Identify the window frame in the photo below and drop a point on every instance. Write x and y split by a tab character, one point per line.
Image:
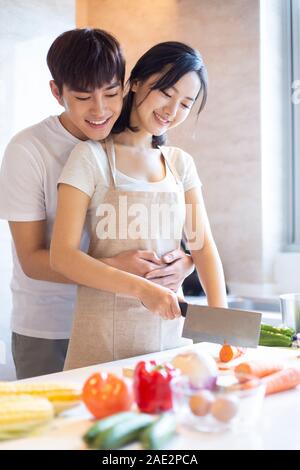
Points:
292	124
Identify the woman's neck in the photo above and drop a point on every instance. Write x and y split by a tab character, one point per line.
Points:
139	139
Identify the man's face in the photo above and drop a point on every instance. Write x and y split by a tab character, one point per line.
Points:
90	114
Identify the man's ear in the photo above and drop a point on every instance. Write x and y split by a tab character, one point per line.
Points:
55	92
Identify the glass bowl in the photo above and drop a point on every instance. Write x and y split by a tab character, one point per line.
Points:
234	403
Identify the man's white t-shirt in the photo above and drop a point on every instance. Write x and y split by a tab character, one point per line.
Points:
31	166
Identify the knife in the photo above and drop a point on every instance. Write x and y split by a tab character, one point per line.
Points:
216	325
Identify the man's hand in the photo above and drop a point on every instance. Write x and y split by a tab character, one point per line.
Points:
138	262
179	266
170	271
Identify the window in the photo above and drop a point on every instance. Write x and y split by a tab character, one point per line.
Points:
293	124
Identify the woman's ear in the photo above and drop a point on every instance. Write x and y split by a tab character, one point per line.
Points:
135	85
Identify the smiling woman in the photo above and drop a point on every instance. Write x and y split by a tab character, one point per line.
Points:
157	110
171	75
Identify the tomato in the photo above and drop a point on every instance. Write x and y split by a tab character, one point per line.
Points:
105	394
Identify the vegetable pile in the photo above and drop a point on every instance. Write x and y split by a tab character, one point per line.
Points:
110	400
153	393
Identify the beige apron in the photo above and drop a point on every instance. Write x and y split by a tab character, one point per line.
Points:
109	326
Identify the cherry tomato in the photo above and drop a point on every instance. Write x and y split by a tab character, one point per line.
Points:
105	394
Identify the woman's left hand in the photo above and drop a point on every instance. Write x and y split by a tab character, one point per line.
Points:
179	266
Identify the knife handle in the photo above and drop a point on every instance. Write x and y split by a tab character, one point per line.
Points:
183	307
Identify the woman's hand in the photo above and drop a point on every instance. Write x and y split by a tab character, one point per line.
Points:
160	301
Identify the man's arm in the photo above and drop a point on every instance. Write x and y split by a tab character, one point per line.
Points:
29	239
34	257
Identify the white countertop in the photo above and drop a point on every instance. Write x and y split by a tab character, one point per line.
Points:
277	429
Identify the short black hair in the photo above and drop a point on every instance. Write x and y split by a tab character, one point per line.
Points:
85	59
177	59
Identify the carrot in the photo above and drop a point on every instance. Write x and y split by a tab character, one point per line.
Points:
227	352
258	368
283	380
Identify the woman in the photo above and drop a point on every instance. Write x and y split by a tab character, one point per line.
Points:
136	194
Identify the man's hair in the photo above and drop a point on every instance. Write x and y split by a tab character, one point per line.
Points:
85	59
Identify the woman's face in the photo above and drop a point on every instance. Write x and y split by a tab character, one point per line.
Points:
156	111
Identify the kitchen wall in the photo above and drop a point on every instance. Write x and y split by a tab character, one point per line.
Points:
226	141
26	32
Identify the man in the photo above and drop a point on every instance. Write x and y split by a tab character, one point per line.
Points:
88	71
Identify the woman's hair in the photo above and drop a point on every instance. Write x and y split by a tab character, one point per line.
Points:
85	59
177	59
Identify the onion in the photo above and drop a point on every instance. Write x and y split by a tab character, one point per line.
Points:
200	367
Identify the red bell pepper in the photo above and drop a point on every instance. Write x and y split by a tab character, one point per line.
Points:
151	384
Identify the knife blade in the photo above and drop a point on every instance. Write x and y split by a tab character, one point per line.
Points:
216	325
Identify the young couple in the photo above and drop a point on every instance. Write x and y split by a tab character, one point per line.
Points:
124	201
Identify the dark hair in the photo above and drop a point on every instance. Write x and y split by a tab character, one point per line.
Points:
85	59
178	59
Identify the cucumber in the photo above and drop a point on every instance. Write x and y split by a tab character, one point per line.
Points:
276	329
122	433
103	424
159	432
268	338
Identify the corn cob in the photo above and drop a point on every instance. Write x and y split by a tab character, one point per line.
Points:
62	396
20	415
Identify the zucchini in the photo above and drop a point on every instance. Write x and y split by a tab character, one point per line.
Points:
122	433
103	424
159	432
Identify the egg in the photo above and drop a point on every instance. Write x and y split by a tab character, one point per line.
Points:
224	408
200	404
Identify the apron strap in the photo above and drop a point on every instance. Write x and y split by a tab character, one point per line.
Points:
110	151
111	156
170	165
